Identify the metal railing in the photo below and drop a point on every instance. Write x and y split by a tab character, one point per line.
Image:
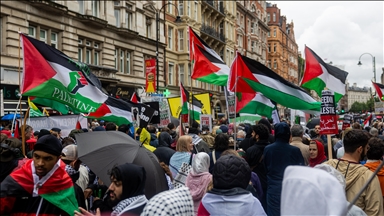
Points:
212	32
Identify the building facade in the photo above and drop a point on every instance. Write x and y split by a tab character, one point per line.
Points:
214	22
357	94
282	46
113	37
252	30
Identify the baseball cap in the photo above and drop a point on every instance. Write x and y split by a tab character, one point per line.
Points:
69	153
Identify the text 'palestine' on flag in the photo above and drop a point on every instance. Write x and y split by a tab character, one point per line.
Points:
208	66
64	80
196	104
319	75
256	77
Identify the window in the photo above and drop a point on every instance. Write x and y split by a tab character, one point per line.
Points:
253	46
269	65
89	52
95	8
81	6
181	73
128	19
189	8
54	40
170	37
269	47
274	47
252	27
123	60
274	17
170	73
253	9
269	34
195	9
170	11
274	32
268	17
45	35
181	7
180	36
117	17
275	64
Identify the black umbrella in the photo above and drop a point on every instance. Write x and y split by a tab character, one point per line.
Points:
313	122
103	150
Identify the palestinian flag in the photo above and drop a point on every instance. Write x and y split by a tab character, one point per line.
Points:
256	77
367	121
134	98
195	111
113	110
57	189
62	108
34	111
50	74
319	75
208	66
379	89
254	103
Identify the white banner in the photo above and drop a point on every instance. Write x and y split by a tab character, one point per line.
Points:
165	114
65	122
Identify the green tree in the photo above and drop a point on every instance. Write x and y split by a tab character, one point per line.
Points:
370	105
357	107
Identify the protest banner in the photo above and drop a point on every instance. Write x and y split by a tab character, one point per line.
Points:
146	114
165	114
206	120
347	121
156	116
65	122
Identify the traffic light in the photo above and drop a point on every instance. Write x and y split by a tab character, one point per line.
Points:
342	110
210	96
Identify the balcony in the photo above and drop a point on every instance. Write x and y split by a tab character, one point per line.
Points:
212	32
218	7
50	6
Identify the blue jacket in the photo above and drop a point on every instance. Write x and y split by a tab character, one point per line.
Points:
277	156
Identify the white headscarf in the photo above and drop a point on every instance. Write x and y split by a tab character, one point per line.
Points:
200	163
309	191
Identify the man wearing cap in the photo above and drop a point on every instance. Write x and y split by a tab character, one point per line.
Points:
277	156
77	172
58	131
41	186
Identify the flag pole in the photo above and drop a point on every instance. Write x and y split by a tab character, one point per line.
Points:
23	131
14	116
20	106
234	124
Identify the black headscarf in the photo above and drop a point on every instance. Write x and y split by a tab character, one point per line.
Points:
282	132
265	122
133	178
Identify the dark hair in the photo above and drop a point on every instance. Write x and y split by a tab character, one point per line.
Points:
193	130
123	128
376	148
265	122
171	126
195	124
151	129
110	126
221	142
67	141
116	174
261	130
356	126
354	139
305	140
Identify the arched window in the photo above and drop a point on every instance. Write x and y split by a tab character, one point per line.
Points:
253	9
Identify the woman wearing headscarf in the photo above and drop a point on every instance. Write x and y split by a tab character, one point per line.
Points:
184	148
199	179
316	153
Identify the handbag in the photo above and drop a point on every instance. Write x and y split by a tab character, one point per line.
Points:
182	173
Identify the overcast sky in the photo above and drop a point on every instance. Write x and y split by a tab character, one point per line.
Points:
340	32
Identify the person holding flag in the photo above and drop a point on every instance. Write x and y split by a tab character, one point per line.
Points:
41	186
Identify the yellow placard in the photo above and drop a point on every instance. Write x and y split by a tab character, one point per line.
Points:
175	104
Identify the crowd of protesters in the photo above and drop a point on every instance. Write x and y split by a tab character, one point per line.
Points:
261	169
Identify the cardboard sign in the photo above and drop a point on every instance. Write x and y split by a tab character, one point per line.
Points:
328	118
150	75
231	107
347	121
165	114
206	120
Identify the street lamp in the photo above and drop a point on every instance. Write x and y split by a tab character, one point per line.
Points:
373	62
157	39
